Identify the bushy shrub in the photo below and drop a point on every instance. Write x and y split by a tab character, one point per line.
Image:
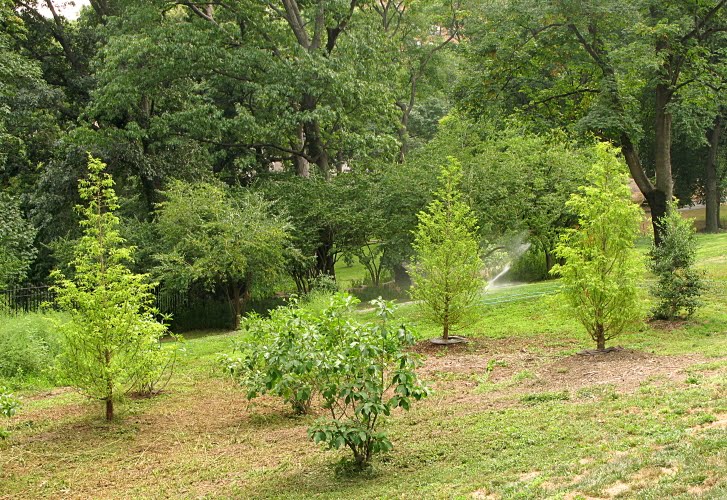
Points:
371	376
529	267
286	354
8	406
324	283
28	345
678	285
359	371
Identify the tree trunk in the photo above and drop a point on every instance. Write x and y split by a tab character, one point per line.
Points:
109	387
109	409
235	305
600	338
325	260
316	149
445	325
404	133
711	181
658	206
549	261
655	197
302	167
664	186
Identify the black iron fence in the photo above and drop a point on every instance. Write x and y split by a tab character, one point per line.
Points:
15	301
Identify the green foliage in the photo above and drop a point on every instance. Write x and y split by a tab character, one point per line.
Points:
359	370
28	345
678	285
329	219
324	283
602	268
370	376
447	265
17	252
222	239
516	181
545	397
110	344
8	407
289	354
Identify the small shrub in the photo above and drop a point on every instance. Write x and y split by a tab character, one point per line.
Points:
324	283
678	285
372	376
529	267
287	354
8	406
359	371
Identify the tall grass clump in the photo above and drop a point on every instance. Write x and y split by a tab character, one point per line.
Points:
29	345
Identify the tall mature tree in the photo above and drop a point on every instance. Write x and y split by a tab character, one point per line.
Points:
421	32
266	82
217	238
601	65
16	243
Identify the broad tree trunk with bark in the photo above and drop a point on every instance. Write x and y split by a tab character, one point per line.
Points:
711	179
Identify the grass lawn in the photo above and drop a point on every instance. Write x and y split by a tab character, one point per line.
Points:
516	413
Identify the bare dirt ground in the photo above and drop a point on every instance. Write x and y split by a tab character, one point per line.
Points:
543	369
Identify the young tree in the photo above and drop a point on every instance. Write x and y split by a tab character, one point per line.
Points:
602	267
218	238
112	339
446	266
678	285
371	376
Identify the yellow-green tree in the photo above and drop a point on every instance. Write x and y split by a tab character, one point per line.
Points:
111	342
446	268
601	266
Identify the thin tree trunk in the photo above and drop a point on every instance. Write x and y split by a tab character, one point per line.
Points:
325	260
445	329
711	181
549	261
235	305
109	388
401	277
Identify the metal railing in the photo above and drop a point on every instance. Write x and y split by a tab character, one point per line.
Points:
21	300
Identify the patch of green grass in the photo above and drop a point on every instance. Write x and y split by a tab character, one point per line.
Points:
545	397
347	276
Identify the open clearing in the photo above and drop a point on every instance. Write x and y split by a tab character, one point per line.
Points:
516	413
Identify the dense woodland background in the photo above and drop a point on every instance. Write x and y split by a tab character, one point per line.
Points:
308	132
